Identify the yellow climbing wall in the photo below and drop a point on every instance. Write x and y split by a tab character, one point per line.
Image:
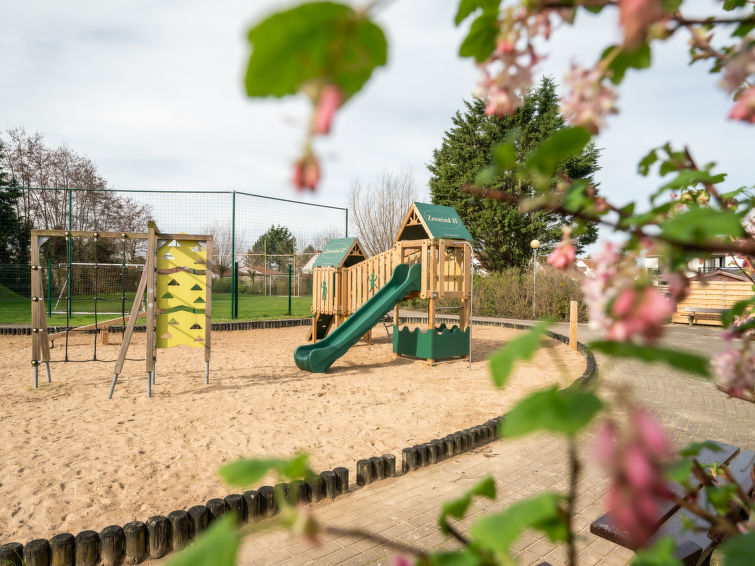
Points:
181	293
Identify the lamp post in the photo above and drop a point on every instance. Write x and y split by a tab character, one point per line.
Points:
534	244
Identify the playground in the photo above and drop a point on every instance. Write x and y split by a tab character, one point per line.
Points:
137	455
74	460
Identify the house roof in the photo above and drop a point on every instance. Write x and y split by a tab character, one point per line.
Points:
425	221
341	252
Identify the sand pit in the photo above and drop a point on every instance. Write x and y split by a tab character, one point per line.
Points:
73	460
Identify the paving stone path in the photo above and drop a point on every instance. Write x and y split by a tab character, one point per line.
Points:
406	509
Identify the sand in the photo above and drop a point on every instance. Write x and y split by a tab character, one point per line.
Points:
73	460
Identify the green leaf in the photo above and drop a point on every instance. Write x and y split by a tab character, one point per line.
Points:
660	554
700	224
505	156
458	507
576	195
730	5
520	348
743	29
640	58
740	551
694	448
498	531
217	546
458	558
737	309
643	167
322	42
248	471
671	6
691	177
467	7
651	216
562	145
679	360
680	472
481	39
719	496
565	412
487	176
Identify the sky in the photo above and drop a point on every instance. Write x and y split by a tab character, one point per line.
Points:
152	92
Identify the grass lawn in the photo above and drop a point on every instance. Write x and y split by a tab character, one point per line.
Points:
15	309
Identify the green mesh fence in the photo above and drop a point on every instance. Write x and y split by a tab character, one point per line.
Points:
262	247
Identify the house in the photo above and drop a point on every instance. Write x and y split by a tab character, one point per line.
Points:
722	262
585	265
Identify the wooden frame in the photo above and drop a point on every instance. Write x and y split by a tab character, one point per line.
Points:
41	339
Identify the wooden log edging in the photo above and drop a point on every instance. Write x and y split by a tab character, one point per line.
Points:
216	327
159	535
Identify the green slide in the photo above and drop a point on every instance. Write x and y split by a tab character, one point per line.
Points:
318	357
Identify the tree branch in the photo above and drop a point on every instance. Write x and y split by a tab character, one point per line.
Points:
746	247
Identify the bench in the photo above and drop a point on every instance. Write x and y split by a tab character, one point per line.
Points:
690	544
694	311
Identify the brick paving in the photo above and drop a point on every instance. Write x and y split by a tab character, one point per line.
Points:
406	509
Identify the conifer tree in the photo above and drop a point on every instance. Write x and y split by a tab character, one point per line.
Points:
502	233
14	231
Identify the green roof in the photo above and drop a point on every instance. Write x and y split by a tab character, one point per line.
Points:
437	222
340	251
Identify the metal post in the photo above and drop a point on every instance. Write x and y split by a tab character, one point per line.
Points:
347	223
235	289
233	255
69	250
289	289
49	286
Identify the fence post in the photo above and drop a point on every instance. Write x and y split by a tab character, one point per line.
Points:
49	286
234	291
573	325
289	289
69	242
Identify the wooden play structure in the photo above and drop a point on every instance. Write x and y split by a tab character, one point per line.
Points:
178	287
434	245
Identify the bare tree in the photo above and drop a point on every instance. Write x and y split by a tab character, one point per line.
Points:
378	209
319	240
35	166
224	247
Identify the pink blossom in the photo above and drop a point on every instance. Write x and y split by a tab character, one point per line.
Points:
678	286
306	173
739	66
639	313
650	434
605	443
329	101
562	255
508	73
734	371
744	109
401	560
623	304
636	16
588	99
640	453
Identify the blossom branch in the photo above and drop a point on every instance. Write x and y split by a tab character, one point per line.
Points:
746	247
